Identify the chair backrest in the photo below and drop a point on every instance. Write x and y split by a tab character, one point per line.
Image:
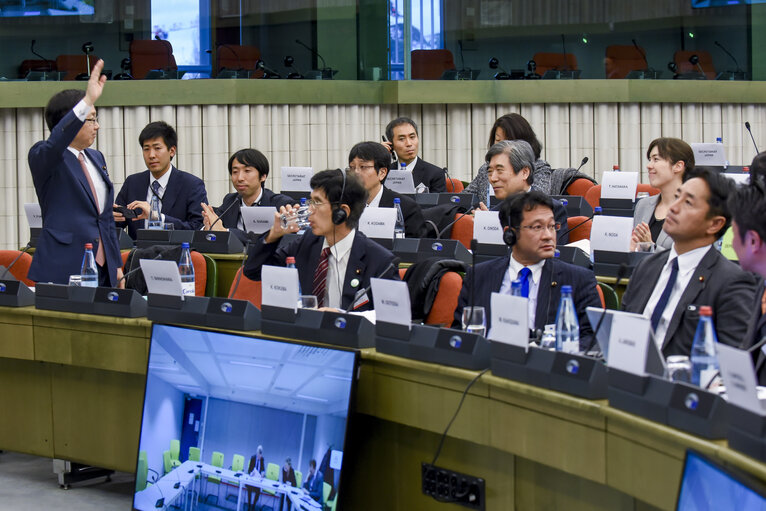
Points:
430	64
402	271
167	464
443	310
681	58
298	479
236	56
326	489
142	470
593	196
462	230
237	463
149	54
73	65
200	273
211	268
454	185
175	449
621	59
546	61
272	471
579	186
194	454
247	289
21	268
611	300
601	296
642	187
582	232
217	459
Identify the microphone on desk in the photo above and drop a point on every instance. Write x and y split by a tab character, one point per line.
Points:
747	127
241	266
237	200
621	272
23	251
442	231
47	61
325	70
596	211
727	52
472	284
393	265
582	163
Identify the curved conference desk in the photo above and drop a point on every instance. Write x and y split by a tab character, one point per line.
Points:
73	389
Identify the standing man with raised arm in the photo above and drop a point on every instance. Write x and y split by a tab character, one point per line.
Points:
74	190
402	134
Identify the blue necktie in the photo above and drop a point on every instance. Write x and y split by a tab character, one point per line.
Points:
660	307
524	275
156	188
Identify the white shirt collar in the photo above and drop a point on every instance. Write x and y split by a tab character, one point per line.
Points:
163	181
375	202
515	267
688	261
255	202
412	164
341	248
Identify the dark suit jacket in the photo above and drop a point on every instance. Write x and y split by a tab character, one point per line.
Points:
489	278
231	207
716	282
289	477
314	486
70	215
367	260
414	224
261	465
756	331
180	202
428	174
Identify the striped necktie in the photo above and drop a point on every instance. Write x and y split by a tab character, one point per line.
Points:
320	277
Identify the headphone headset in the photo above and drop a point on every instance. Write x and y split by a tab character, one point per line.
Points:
509	235
339	215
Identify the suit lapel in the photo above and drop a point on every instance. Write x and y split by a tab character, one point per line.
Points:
79	174
417	173
355	270
171	191
648	281
387	198
544	291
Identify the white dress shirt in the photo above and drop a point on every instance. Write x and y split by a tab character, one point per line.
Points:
163	181
256	202
687	264
336	269
514	267
375	202
81	110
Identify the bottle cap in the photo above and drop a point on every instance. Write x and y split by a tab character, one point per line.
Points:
597	210
303	201
89	246
566	288
290	260
615	167
564	202
746	170
185	244
556	253
397	200
706	310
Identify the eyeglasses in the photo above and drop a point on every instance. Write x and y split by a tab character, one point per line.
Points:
538	229
359	169
312	203
94	120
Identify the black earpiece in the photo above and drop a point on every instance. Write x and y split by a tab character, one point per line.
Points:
339	215
509	235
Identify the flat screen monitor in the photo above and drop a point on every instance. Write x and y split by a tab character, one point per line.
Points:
26	8
706	485
214	401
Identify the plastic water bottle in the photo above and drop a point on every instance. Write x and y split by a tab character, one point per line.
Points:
186	270
516	287
290	263
88	271
567	326
300	216
399	225
704	355
402	165
155	215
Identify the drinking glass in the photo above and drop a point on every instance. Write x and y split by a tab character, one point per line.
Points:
75	280
474	320
308	302
679	368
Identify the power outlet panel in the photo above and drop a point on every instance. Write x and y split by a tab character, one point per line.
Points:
449	486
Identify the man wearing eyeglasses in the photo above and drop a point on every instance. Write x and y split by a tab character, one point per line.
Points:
530	230
74	190
335	261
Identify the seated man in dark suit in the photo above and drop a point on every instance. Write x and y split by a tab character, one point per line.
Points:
369	161
248	170
670	286
334	260
748	224
313	484
530	229
402	135
510	170
256	468
181	194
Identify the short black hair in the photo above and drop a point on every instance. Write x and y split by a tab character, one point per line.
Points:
673	150
398	122
758	169
748	208
371	151
516	127
512	209
60	104
720	188
159	129
354	194
251	158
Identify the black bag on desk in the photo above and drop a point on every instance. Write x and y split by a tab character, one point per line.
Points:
135	280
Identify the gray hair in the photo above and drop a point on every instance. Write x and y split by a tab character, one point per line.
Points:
260	450
519	153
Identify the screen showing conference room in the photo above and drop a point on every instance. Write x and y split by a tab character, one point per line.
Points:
228	394
707	486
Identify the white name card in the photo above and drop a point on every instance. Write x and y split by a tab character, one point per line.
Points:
297	179
611	233
279	287
709	154
378	222
257	219
739	378
400	181
629	342
392	301
34	215
162	277
741	178
619	185
486	227
509	320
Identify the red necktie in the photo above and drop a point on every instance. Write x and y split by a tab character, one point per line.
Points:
100	259
320	277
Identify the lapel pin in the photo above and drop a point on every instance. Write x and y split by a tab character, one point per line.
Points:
702	278
354	282
358	271
554	283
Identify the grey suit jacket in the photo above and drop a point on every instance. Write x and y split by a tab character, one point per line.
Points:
716	282
643	213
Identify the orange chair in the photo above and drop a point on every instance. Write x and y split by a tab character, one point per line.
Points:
681	58
20	268
149	54
593	195
402	271
642	187
247	289
73	65
443	310
546	61
579	187
582	232
236	56
200	273
431	64
622	59
462	229
454	185
601	296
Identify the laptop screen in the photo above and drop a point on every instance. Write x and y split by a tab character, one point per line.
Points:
705	485
238	422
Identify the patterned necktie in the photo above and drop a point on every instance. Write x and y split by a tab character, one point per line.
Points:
100	258
660	307
524	276
156	188
320	277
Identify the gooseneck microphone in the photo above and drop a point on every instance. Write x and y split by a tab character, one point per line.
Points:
47	62
440	233
564	49
23	251
747	127
313	51
472	289
621	271
393	265
643	54
596	211
582	163
237	200
727	52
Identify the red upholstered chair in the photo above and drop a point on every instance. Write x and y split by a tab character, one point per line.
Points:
21	268
402	271
582	232
601	296
681	58
593	196
443	310
647	188
454	185
622	59
579	187
73	65
430	64
247	289
200	273
546	61
462	230
149	54
236	56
